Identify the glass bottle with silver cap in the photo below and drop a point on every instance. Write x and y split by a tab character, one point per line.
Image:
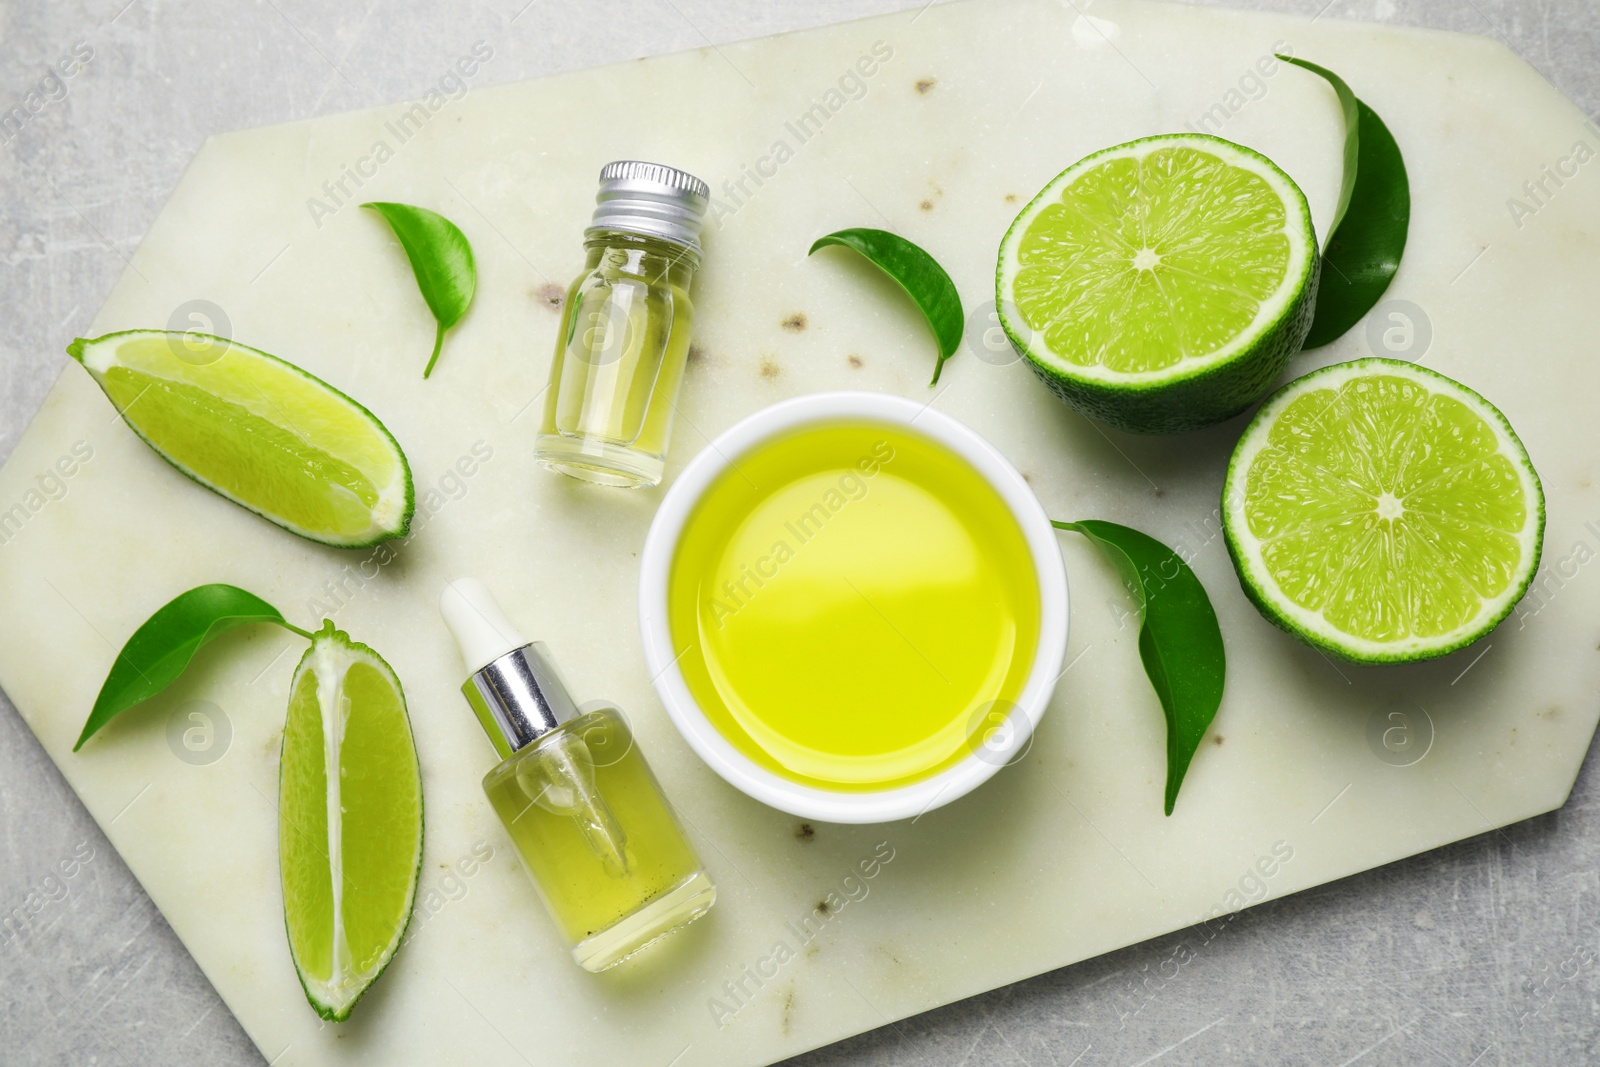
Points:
581	805
624	338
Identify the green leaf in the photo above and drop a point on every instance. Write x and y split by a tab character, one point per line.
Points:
1368	234
441	258
1179	640
159	650
919	274
1352	137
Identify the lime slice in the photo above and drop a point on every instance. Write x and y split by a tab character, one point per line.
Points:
259	431
1161	285
349	820
1382	512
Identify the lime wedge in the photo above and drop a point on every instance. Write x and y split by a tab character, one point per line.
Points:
1161	285
259	431
349	820
1382	512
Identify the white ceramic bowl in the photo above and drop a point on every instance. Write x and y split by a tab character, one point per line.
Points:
1001	745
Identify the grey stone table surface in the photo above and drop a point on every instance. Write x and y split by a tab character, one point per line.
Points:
1486	952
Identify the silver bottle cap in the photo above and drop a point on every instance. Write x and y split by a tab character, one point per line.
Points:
652	200
512	686
519	698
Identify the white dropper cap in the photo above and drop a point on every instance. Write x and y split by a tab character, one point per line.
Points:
512	685
482	631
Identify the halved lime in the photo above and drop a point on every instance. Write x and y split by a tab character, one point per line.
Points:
349	820
1382	512
259	431
1161	285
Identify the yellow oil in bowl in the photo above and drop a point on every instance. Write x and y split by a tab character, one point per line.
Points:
851	603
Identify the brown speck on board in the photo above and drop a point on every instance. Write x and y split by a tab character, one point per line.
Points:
1011	198
926	205
795	323
925	84
823	908
805	831
788	1010
854	361
1160	492
769	367
696	354
1217	740
551	295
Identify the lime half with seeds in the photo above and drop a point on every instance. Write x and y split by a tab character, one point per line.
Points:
1382	512
259	431
1163	284
349	820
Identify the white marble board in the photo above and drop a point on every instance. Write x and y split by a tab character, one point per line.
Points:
970	107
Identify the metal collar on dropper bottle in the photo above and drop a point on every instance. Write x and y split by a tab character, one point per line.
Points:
512	683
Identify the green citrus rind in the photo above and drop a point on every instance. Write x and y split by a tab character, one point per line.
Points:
390	514
1311	627
334	1001
1198	391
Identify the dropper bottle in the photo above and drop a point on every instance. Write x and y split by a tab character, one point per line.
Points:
575	794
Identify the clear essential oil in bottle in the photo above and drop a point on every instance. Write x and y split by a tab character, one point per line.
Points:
624	338
575	794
